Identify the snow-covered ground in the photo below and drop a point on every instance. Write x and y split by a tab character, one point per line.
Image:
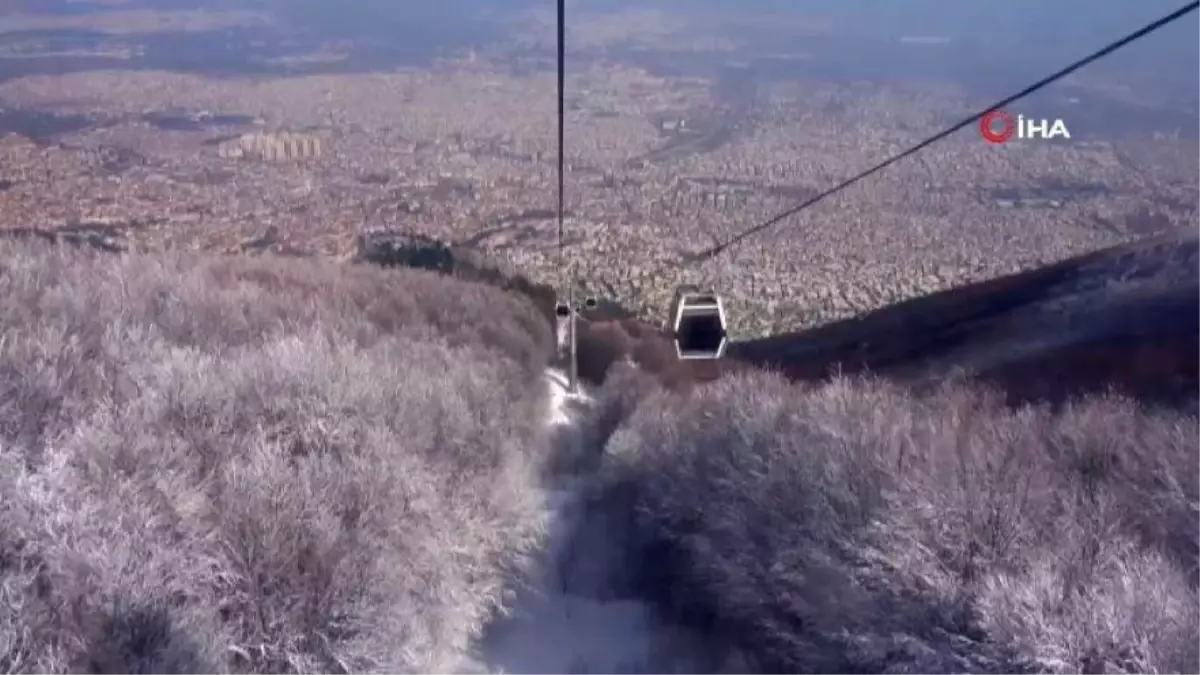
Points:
560	624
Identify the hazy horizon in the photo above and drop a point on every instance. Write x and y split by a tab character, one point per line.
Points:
1035	29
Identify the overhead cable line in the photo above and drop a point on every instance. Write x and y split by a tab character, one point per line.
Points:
717	249
562	41
566	271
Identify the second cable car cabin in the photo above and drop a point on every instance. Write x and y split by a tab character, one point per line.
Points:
697	324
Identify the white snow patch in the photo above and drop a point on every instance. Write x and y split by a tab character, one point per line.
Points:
553	629
562	403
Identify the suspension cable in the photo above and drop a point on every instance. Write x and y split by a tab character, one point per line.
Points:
566	274
717	249
562	41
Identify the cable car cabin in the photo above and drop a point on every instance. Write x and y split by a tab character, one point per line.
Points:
562	317
697	324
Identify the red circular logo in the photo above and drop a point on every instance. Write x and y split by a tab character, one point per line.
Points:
997	126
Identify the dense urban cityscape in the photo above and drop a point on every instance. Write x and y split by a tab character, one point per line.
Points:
657	166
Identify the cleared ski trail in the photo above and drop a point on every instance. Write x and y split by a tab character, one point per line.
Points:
565	622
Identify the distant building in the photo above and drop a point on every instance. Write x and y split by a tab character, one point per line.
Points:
278	147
